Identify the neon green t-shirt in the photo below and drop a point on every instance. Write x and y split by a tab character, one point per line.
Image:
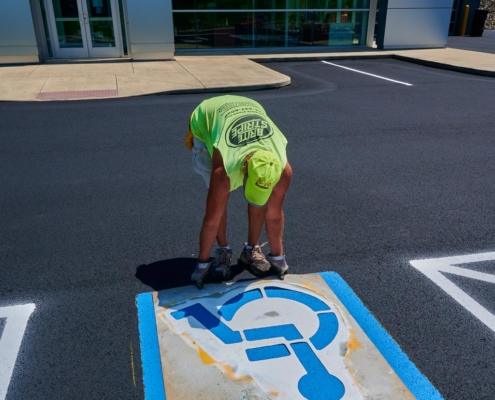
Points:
236	126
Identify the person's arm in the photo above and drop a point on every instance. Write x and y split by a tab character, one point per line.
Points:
218	195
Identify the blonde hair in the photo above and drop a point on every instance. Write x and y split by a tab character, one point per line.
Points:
246	162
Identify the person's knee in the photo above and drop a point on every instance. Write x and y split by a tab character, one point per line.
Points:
274	215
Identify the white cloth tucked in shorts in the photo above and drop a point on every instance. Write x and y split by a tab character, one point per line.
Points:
201	160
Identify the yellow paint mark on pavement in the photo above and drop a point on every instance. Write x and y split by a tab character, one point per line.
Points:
132	365
205	357
353	343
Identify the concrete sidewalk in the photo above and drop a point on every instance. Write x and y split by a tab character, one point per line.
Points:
122	79
198	73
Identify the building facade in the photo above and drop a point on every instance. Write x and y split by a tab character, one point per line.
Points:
33	31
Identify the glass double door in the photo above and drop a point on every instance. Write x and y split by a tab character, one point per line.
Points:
84	28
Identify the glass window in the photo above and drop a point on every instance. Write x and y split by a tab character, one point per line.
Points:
224	4
282	29
347	28
185	30
224	30
283	4
213	30
68	25
101	23
267	4
339	4
269	29
183	4
322	21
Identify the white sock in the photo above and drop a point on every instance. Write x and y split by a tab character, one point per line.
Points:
222	247
248	247
275	258
202	265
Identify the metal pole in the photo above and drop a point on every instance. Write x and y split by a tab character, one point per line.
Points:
464	20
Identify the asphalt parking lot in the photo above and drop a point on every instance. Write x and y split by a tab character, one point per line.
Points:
99	203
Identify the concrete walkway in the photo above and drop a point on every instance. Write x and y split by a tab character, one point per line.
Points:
197	73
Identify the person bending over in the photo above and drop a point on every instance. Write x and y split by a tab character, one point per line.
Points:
234	143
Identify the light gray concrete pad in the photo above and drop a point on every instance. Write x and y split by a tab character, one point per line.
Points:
90	69
18	71
142	85
454	59
81	82
20	89
232	72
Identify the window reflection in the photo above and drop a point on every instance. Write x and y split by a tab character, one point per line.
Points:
101	23
281	29
267	4
318	23
213	30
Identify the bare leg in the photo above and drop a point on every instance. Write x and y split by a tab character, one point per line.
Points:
256	220
274	216
274	230
222	230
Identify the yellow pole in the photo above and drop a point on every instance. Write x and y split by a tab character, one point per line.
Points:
464	20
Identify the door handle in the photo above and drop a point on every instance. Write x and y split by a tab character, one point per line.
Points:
79	16
86	18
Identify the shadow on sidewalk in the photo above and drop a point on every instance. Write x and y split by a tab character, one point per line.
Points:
175	272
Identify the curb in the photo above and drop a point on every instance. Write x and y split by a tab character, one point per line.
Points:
221	89
319	58
436	64
215	89
427	63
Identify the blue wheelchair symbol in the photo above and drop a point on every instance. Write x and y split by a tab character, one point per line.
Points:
318	383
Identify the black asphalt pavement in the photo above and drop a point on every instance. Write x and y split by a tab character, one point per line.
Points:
484	43
99	203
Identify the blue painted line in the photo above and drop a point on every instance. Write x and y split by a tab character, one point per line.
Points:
306	299
415	381
267	353
317	377
210	322
228	310
329	326
154	388
289	332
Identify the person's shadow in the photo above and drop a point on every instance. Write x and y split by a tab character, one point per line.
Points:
175	272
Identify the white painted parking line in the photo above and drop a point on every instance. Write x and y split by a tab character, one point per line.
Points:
16	319
434	267
367	73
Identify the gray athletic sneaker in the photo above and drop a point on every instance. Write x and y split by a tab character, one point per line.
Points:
221	265
278	264
256	260
199	274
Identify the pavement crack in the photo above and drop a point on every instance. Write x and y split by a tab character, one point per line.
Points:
185	69
44	83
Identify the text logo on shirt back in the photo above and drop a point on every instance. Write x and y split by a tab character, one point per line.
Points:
248	130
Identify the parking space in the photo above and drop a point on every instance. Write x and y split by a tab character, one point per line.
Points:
99	204
308	337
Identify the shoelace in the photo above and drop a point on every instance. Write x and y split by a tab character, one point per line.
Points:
222	255
257	253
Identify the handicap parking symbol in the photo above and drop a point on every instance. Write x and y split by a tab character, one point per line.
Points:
288	339
308	337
